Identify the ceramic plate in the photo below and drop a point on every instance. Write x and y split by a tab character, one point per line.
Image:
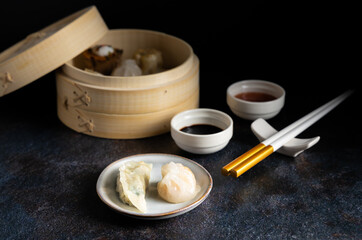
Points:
157	208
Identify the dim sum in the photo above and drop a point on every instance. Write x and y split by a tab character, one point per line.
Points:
128	67
132	182
178	183
150	60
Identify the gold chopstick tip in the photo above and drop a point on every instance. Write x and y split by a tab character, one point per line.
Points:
227	168
251	161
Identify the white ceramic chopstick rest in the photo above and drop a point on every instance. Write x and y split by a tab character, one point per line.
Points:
263	130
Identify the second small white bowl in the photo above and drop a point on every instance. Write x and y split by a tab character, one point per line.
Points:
253	110
202	143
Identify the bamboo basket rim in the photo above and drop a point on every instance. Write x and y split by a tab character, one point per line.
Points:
74	71
118	89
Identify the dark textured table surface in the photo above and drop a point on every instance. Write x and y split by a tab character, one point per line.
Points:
48	172
48	175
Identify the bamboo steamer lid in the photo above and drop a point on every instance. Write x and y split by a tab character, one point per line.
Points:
49	48
111	100
128	126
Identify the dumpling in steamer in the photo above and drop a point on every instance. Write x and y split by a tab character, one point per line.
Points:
178	183
132	182
149	59
101	59
129	67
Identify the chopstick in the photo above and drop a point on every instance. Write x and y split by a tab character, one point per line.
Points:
252	157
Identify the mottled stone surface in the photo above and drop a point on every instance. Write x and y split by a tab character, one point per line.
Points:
48	176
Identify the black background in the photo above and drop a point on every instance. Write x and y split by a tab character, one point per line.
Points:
305	46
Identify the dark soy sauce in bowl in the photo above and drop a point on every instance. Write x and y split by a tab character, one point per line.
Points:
255	96
201	129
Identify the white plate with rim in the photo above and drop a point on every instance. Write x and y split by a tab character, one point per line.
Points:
157	208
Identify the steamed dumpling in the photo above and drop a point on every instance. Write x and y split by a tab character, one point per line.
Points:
129	67
149	59
178	183
132	182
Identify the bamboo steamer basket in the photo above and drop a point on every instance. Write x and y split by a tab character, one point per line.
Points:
130	107
105	106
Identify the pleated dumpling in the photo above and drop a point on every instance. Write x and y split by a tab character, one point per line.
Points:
129	67
178	183
132	182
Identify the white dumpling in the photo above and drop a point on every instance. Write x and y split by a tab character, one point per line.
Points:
129	67
132	182
178	183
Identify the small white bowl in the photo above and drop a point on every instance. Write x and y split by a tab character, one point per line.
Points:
253	110
202	143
